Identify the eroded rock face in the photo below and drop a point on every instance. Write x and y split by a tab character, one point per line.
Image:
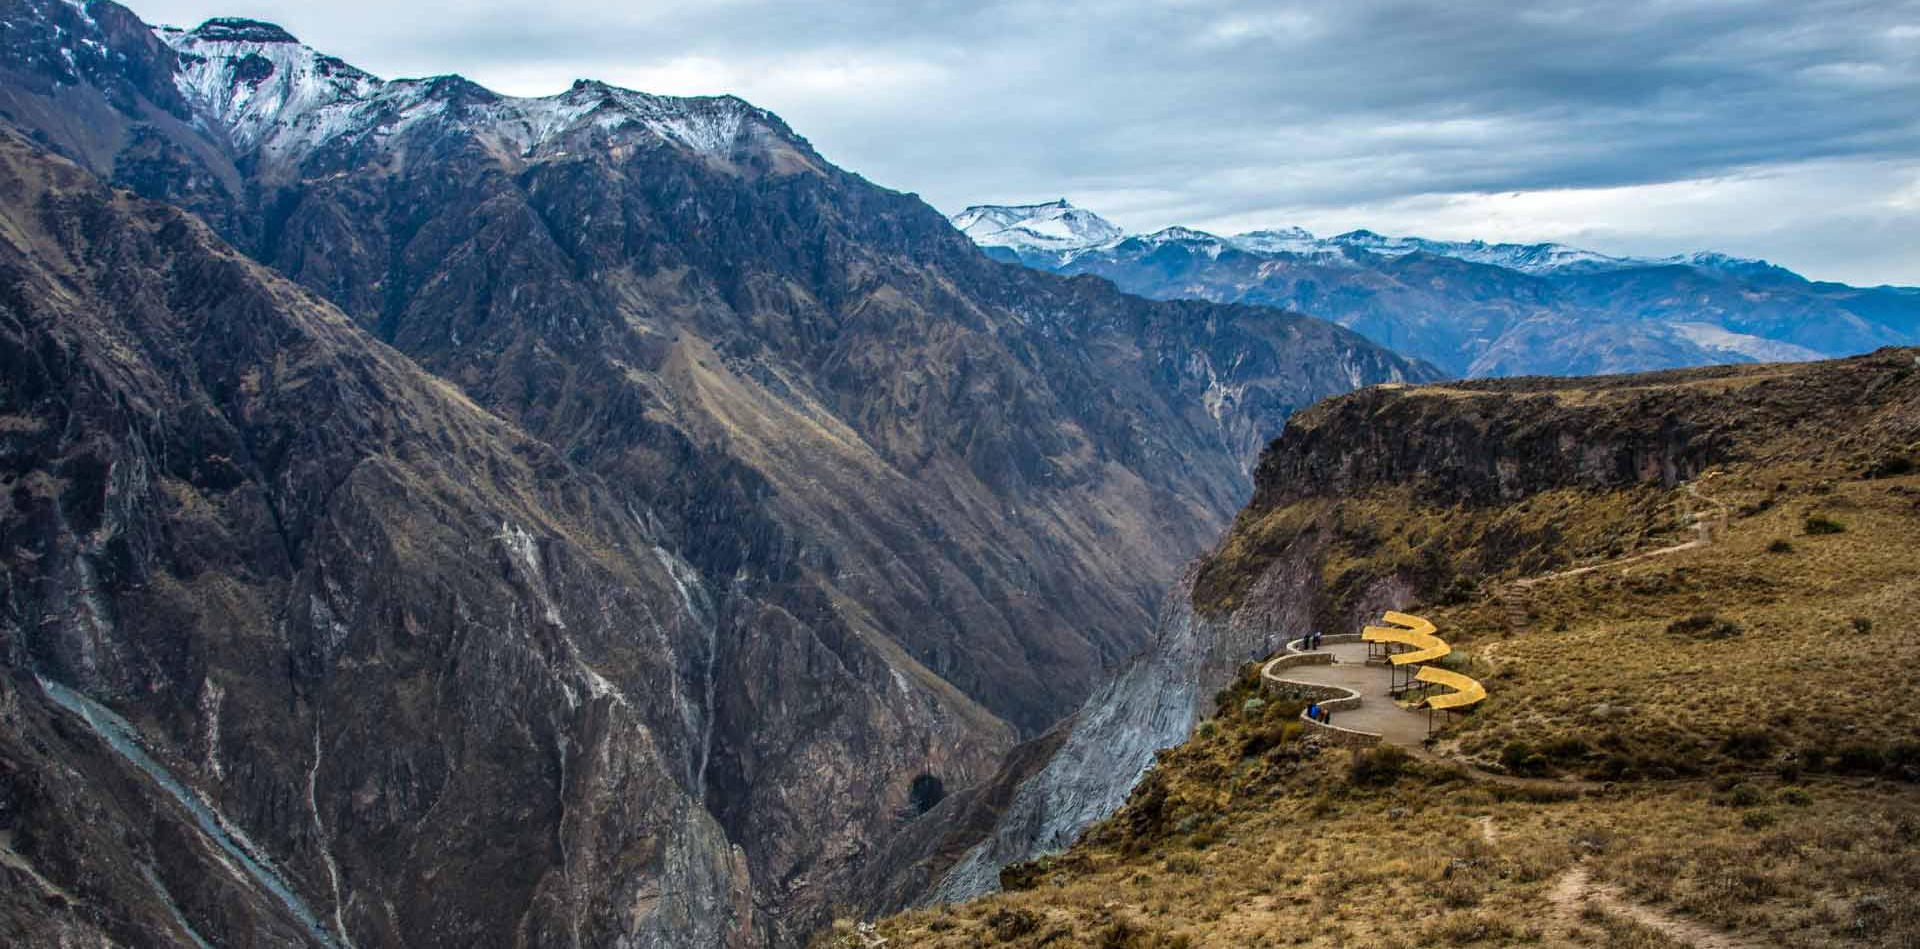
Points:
894	504
341	605
442	681
1153	703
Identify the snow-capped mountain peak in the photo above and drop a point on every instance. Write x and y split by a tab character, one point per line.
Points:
280	100
1185	235
233	29
1536	259
1295	240
1052	226
1056	232
256	81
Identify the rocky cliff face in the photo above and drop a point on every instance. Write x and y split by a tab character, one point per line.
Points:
341	610
1466	475
894	504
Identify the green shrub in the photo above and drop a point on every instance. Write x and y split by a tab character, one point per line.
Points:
1817	524
1780	546
1744	795
1704	626
1795	797
1566	748
1892	466
1903	760
1749	744
1859	758
1019	876
1378	766
1862	625
1009	924
1519	757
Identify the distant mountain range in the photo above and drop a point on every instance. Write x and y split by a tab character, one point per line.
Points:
1470	307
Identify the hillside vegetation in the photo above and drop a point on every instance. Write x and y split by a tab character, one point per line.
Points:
1690	598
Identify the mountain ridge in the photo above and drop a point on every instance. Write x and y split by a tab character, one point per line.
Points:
920	499
1477	309
1536	258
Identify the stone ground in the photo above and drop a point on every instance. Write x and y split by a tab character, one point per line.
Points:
1377	712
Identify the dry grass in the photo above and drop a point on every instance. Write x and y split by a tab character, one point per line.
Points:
1282	848
1773	678
1795	655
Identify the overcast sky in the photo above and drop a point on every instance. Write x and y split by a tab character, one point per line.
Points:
1784	130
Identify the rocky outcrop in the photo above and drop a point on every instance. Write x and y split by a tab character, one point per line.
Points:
1489	442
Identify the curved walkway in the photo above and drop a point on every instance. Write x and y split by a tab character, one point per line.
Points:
1377	713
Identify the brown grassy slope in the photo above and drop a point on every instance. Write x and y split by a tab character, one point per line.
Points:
1767	672
1771	645
1235	842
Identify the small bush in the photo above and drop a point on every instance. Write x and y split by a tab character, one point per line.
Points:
1744	795
1817	525
1749	744
1009	924
1461	927
1704	626
1378	766
1903	760
1183	864
1019	876
1862	625
1758	820
1780	546
1519	757
1121	934
1566	748
1892	466
1859	758
1795	797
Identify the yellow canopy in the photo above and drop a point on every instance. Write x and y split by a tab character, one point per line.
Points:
1466	690
1418	633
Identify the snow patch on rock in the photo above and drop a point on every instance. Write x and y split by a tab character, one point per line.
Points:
272	96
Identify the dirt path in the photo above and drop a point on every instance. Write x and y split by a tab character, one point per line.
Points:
1577	890
1703	527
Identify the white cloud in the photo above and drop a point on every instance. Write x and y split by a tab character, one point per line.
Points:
1660	125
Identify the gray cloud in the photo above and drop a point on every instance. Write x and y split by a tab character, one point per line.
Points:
1213	111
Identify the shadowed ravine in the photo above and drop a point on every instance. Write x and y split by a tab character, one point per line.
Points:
123	738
